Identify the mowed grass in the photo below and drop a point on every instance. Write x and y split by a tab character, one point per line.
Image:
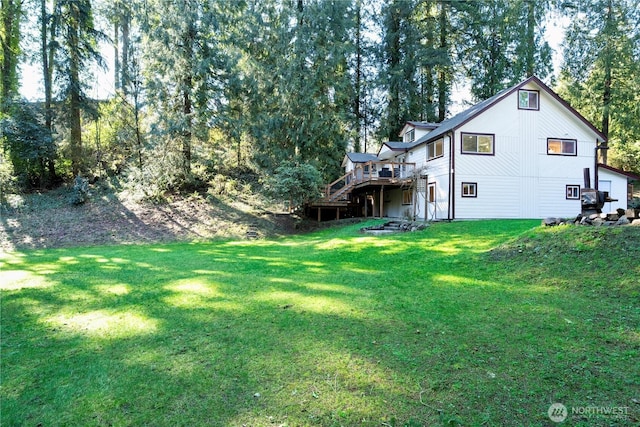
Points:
465	323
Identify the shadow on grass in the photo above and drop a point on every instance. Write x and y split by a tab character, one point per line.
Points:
50	221
328	329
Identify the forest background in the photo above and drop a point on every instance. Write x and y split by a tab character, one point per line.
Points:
279	89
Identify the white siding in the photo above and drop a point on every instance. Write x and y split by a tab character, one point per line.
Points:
616	184
437	171
521	180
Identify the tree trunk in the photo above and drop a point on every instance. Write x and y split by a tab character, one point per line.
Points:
116	54
47	28
531	41
10	39
608	60
358	83
187	106
125	23
442	75
75	142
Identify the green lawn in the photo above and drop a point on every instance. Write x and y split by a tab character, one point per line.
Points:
334	328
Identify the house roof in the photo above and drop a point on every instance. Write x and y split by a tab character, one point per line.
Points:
418	125
423	125
397	145
362	157
630	176
460	119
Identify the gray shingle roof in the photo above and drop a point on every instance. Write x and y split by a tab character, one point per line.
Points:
459	119
423	125
362	157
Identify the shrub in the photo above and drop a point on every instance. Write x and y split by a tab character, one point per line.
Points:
297	183
80	191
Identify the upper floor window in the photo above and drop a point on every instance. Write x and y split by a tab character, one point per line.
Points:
476	143
409	135
528	99
562	147
435	149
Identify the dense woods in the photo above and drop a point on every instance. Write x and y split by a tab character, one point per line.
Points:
209	88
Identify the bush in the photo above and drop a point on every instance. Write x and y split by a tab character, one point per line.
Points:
80	191
296	183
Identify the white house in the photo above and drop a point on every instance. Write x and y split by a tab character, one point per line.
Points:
519	154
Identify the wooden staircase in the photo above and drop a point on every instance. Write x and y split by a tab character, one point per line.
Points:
339	190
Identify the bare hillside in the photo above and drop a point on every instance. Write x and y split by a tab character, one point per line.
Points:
47	220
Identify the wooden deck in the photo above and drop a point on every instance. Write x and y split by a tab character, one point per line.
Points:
355	190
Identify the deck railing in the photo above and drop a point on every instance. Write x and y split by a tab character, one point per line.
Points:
378	172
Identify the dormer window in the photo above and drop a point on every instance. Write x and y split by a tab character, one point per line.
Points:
528	99
410	135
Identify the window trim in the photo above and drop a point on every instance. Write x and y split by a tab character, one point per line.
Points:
435	151
529	91
478	153
431	192
572	187
562	140
408	192
411	132
469	185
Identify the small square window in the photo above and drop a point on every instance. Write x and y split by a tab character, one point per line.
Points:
573	192
409	136
469	189
528	99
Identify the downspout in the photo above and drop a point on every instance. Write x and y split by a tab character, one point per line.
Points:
603	147
451	213
595	169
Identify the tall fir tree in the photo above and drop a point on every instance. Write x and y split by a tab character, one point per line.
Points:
501	42
10	17
599	75
78	39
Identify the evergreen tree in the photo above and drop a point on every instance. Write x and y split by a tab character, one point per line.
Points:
180	62
74	25
501	42
599	75
10	16
29	146
301	89
399	55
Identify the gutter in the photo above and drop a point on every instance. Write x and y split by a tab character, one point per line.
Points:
451	211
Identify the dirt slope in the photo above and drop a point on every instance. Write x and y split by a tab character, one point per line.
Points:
49	220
